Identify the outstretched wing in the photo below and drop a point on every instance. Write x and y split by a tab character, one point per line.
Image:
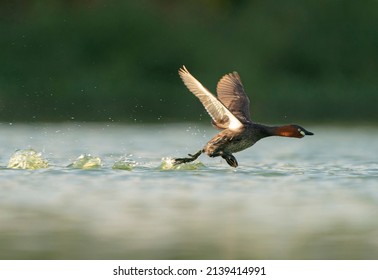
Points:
222	117
231	93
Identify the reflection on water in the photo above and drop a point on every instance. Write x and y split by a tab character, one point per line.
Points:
314	198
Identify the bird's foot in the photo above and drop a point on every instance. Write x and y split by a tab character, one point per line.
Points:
191	158
230	159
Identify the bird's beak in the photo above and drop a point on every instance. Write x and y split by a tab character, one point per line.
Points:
308	132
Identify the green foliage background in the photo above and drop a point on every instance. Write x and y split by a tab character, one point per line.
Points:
97	60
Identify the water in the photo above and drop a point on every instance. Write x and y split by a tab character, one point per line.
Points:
313	198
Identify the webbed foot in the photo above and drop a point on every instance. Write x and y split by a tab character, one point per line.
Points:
230	159
191	158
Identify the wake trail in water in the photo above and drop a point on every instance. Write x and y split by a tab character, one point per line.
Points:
33	160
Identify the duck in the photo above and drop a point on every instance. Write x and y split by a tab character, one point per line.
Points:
230	113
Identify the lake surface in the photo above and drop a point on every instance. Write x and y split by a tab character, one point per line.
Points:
310	198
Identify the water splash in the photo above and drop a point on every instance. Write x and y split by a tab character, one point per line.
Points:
27	159
124	163
86	161
168	164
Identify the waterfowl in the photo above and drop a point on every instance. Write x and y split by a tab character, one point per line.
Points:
230	113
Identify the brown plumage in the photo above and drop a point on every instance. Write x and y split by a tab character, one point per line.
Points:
230	112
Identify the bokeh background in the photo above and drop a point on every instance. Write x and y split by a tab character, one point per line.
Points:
101	60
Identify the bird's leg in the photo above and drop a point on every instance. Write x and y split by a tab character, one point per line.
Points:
231	160
189	159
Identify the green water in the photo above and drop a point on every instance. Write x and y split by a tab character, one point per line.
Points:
311	198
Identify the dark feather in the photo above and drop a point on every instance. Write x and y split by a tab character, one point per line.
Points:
231	93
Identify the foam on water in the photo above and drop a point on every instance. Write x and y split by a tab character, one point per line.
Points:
86	161
27	159
31	159
124	163
168	164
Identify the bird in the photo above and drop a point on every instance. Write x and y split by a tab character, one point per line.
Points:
230	113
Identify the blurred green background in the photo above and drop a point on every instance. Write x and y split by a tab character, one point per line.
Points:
100	60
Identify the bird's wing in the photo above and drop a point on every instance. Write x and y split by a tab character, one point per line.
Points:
231	93
222	117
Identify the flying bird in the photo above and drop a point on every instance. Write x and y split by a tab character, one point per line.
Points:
230	113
